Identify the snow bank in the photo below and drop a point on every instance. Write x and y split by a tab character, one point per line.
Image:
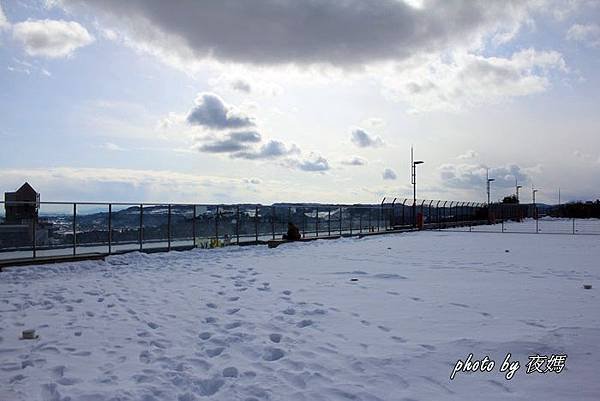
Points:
290	323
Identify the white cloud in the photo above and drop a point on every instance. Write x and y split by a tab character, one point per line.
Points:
230	143
588	34
246	83
429	56
51	38
473	176
363	139
124	185
375	122
314	163
112	147
26	67
253	181
4	24
241	85
354	161
270	150
469	154
462	80
564	9
389	174
212	113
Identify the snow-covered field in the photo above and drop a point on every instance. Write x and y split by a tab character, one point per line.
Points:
288	323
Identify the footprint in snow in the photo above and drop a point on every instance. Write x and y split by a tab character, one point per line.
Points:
230	372
234	325
213	352
272	354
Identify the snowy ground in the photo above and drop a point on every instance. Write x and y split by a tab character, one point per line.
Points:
289	324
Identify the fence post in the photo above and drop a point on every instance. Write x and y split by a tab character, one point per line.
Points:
256	223
381	213
429	211
169	228
574	226
340	220
109	228
217	225
403	211
317	223
360	226
74	228
351	219
456	214
303	220
237	224
141	226
34	235
329	222
273	221
194	226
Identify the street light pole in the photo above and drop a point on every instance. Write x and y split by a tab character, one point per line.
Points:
517	187
533	191
414	164
488	181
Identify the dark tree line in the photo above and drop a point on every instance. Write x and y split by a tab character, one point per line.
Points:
578	210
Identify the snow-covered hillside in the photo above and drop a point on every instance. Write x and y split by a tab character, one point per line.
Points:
380	318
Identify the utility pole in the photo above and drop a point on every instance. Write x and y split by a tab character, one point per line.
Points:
488	181
413	164
517	187
533	191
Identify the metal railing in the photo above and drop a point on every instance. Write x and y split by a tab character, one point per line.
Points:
82	228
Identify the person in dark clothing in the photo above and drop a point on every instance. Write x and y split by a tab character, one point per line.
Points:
293	234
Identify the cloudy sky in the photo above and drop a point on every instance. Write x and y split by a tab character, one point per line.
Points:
299	100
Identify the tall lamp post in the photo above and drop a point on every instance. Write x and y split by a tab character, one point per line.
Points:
533	191
414	164
535	212
488	182
517	187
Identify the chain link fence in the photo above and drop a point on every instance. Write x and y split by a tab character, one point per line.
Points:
58	229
